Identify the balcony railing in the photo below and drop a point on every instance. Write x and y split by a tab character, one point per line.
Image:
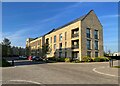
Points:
75	35
75	46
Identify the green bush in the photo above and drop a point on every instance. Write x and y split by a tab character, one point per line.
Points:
61	59
52	59
104	59
77	61
92	59
97	59
100	59
67	59
86	59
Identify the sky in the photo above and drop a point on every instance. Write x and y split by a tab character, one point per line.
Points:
22	20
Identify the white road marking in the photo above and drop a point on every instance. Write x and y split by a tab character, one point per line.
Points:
94	69
8	67
25	81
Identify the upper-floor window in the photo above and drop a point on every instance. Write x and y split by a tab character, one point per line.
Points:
88	44
65	35
96	45
51	39
47	41
54	38
54	46
88	32
96	34
60	37
65	44
60	46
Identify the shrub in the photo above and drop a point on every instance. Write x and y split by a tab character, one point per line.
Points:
107	59
52	59
92	59
77	61
62	59
97	59
86	59
104	59
67	59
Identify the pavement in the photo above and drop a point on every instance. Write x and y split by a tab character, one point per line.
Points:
60	73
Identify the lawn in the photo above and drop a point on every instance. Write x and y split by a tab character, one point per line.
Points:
116	66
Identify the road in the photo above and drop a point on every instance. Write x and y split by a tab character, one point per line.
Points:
59	73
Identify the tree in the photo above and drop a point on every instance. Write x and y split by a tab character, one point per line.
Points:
45	49
6	47
6	42
27	50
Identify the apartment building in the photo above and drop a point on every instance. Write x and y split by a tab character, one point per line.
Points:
76	39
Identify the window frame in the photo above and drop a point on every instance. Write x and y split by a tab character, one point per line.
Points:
96	34
88	35
89	44
60	37
96	45
89	54
54	38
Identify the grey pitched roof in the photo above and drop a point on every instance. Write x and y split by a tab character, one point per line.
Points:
78	19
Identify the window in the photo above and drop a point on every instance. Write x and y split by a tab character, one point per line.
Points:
88	44
96	45
51	39
88	32
60	46
47	41
39	43
54	46
96	34
96	54
60	54
65	54
60	37
88	53
54	38
65	35
65	44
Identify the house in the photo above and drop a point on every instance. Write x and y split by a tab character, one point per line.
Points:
76	39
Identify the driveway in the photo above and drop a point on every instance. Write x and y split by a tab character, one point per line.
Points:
60	73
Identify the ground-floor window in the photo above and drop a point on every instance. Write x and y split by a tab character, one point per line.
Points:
89	53
75	55
96	54
65	54
60	54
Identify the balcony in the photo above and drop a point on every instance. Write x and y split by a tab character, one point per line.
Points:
75	35
75	46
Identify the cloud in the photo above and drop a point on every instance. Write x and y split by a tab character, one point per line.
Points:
61	14
17	38
110	16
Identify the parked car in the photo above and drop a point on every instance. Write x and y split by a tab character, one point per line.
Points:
22	57
30	58
36	58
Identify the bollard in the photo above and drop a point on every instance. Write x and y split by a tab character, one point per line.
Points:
110	62
12	62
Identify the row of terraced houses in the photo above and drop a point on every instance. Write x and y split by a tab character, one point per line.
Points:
76	39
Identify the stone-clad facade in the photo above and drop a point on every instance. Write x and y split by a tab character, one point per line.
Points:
79	38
